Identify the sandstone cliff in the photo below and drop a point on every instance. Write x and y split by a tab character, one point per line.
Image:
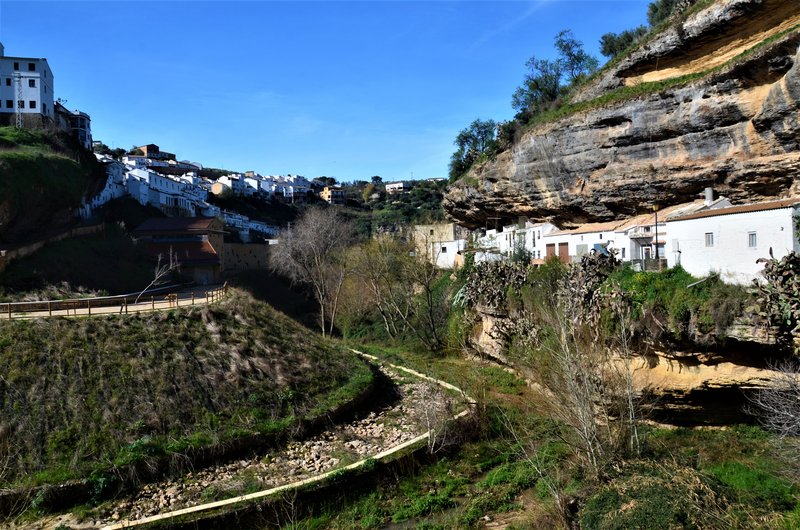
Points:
717	105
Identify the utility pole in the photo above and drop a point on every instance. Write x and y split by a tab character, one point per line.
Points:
18	109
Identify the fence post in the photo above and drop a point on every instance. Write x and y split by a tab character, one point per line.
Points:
49	308
153	302
8	305
192	297
89	305
126	305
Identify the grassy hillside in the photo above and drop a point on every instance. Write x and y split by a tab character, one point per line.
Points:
43	175
83	395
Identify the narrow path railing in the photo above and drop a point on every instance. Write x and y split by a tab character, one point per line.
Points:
107	305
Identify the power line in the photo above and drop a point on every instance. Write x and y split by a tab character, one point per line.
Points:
18	110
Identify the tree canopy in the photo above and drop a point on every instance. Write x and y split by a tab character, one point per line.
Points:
478	138
548	80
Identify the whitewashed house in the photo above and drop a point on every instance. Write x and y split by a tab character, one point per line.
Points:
497	245
730	240
569	245
442	244
237	184
26	86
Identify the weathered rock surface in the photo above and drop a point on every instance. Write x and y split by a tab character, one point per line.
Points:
697	386
736	128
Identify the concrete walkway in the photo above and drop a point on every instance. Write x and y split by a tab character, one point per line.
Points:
112	305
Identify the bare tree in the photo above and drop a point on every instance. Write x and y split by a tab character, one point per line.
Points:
401	279
163	271
778	410
313	252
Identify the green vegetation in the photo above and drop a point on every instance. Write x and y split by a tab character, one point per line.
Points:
81	397
479	138
43	174
689	306
778	299
513	458
423	204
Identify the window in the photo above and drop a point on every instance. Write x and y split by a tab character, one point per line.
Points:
16	66
32	83
44	108
9	104
444	250
622	255
32	104
752	240
709	239
31	67
8	81
601	237
431	231
21	104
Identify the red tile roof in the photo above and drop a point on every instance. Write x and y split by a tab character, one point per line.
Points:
744	208
188	253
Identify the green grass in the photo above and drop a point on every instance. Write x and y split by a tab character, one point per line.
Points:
42	175
86	395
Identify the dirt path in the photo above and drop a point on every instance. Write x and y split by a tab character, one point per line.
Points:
337	447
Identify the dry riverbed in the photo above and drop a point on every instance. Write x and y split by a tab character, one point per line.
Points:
339	446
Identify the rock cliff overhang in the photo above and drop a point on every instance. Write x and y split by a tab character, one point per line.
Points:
717	107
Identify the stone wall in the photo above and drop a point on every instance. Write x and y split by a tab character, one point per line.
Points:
246	256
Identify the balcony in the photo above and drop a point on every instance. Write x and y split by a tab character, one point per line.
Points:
649	264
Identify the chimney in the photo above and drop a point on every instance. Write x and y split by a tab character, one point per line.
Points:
709	196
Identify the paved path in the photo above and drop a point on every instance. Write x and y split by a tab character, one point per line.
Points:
113	305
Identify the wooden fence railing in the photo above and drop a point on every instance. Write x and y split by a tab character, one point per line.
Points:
106	305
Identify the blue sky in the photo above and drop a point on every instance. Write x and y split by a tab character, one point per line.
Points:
344	89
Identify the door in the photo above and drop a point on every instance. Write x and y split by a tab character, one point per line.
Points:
550	250
563	252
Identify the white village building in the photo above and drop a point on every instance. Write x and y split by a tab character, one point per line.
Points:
26	85
500	244
729	241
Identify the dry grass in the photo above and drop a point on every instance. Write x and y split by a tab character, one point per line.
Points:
86	394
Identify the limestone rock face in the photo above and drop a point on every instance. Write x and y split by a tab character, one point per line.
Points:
735	127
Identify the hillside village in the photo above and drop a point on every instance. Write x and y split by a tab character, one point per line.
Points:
509	348
705	236
733	238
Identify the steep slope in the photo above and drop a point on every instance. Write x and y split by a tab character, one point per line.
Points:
43	176
79	396
710	101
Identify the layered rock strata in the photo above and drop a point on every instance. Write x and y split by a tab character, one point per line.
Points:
735	127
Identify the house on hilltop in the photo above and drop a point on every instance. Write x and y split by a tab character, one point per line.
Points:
26	87
27	97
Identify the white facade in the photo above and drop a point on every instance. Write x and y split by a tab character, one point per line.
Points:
26	84
448	251
501	244
730	240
